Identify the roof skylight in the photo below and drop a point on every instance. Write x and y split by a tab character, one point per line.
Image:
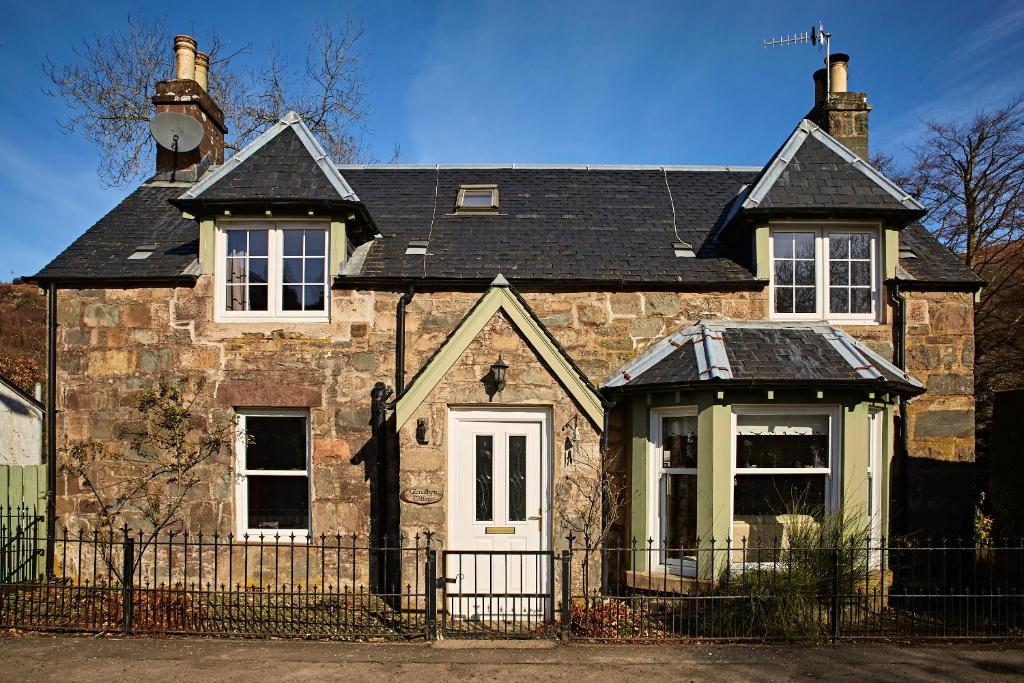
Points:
477	199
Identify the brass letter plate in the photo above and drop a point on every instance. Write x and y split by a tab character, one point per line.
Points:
499	530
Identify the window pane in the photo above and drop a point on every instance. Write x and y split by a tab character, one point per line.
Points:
776	441
291	297
803	245
257	298
314	270
838	246
237	242
477	198
315	242
679	442
516	478
484	478
257	242
679	515
860	245
779	494
784	300
258	270
314	298
805	300
783	272
292	242
278	502
839	273
783	242
860	273
275	443
860	300
839	300
805	272
235	298
236	271
291	270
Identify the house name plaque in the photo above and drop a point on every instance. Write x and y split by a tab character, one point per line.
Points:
421	495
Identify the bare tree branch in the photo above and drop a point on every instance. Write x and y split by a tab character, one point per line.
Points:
108	85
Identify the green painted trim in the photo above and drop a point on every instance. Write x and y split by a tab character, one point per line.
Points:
339	247
714	485
639	495
856	451
890	251
495	299
762	257
888	446
207	246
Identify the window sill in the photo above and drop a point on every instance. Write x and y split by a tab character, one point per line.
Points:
661	580
263	319
865	322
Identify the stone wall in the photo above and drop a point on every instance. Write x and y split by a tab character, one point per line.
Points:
940	353
116	342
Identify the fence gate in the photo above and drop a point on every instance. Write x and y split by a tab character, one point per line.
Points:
507	593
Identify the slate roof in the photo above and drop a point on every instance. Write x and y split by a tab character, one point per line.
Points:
764	354
606	226
932	263
284	163
281	169
143	217
601	224
812	170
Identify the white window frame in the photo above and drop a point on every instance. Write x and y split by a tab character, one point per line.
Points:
833	489
655	496
242	474
821	271
275	249
492	208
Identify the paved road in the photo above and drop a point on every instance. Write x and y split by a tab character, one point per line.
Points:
67	659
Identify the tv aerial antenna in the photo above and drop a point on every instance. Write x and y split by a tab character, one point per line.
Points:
177	132
816	37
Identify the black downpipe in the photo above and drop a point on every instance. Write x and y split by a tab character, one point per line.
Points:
899	348
378	419
51	426
403	301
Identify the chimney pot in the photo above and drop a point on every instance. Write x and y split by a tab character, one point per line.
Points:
819	86
838	65
202	70
184	57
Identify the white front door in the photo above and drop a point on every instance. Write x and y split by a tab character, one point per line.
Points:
499	509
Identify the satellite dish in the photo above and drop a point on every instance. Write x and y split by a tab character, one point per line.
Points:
176	131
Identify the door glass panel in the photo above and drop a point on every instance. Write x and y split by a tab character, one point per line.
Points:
484	478
516	478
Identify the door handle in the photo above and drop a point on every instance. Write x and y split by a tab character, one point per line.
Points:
540	520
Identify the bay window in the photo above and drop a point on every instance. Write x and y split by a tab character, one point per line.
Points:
825	273
272	271
674	474
785	463
272	473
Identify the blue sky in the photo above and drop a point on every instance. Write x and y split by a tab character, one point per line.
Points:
542	82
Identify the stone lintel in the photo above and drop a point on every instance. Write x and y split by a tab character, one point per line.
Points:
251	395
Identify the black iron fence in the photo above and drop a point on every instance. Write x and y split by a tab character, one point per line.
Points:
329	587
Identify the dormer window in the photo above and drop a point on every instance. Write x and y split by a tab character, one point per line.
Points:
477	199
825	273
272	271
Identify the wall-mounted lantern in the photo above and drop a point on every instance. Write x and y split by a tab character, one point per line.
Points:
498	371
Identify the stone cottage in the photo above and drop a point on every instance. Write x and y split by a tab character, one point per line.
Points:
467	348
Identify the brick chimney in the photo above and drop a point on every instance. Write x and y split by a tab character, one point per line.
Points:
842	114
186	94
